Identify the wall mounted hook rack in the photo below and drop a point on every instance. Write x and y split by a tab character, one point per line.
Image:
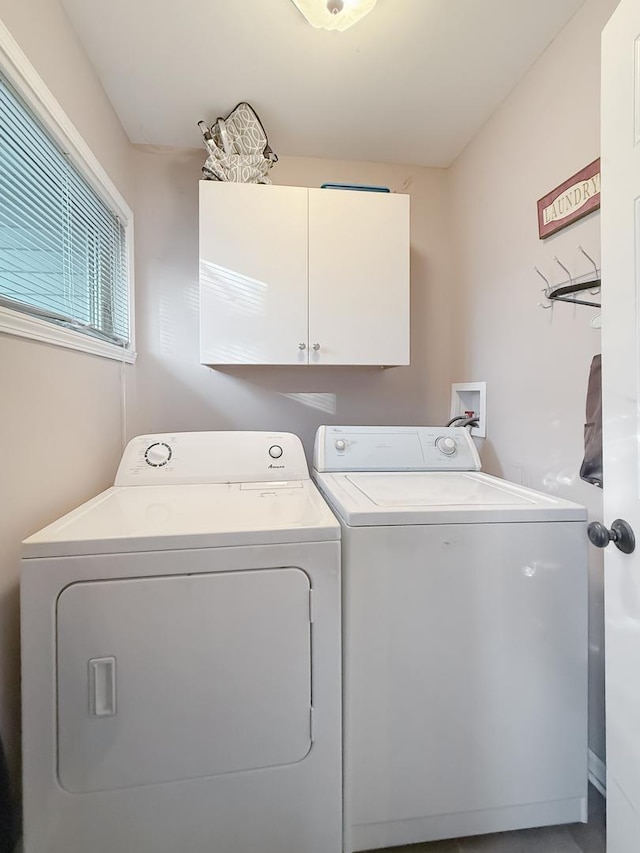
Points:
567	289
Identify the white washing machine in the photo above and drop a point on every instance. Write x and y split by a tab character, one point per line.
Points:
181	657
464	639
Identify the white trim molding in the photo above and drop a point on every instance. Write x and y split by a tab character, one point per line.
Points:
16	67
598	773
26	326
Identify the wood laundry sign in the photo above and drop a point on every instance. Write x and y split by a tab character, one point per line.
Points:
573	199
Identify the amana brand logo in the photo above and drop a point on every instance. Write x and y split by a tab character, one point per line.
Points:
276	466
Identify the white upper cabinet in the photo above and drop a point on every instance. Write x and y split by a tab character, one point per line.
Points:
253	273
290	275
358	277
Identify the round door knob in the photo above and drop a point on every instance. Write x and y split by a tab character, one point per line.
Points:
316	347
302	346
620	534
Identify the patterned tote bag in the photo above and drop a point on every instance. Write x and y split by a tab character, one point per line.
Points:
238	147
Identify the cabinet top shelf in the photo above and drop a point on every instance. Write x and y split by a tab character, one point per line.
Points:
334	189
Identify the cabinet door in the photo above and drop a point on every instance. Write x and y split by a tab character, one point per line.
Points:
358	277
253	274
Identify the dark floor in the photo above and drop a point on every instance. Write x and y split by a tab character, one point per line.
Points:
577	838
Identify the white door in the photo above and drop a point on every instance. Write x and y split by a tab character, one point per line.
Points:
621	399
358	277
253	274
172	678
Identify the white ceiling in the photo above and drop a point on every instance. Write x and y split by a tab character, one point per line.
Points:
410	83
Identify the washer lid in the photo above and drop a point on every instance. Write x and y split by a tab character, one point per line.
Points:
367	499
165	518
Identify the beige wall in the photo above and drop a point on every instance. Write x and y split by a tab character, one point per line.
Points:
176	392
44	33
535	362
60	423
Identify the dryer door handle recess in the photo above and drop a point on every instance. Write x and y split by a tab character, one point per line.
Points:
102	687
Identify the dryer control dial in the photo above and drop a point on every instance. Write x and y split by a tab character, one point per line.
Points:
446	445
158	454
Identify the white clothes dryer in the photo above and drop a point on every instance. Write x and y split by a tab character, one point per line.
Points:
464	640
181	657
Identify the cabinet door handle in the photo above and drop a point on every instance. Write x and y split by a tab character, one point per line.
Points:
302	346
316	347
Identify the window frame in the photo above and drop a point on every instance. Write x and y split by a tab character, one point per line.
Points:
31	87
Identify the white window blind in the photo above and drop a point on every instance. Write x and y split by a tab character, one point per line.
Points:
63	252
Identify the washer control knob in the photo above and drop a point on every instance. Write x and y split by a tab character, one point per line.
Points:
275	451
158	454
446	445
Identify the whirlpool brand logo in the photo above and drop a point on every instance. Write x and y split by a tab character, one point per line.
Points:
276	466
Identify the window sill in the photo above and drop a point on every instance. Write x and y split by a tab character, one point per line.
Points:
24	326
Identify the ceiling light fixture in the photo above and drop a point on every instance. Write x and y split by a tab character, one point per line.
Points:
334	14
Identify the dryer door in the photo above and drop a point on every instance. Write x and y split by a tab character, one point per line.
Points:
169	678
